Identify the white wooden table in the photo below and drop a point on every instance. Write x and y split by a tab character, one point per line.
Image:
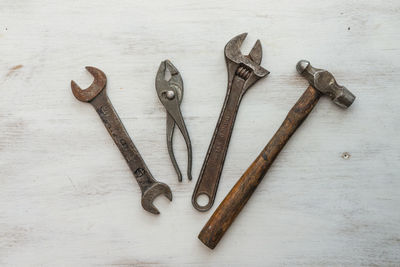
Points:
67	197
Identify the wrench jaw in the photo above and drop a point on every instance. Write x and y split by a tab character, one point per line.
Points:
247	67
99	83
151	193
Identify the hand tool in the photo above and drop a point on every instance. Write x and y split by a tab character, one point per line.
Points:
96	95
170	94
243	72
321	82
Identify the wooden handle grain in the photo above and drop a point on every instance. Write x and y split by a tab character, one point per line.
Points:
233	203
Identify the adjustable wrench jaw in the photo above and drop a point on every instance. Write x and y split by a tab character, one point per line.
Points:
246	67
99	83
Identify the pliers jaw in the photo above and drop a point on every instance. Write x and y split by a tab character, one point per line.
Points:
169	89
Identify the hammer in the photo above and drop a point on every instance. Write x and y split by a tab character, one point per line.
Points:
321	82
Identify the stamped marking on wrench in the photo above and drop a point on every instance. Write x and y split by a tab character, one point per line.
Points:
96	95
243	72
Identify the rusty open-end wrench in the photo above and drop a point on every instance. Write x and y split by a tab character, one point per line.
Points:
243	72
96	95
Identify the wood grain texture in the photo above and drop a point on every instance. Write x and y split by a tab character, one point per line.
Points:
68	198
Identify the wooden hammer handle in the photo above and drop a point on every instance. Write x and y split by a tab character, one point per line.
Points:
233	203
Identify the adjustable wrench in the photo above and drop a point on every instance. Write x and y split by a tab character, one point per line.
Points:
243	72
96	95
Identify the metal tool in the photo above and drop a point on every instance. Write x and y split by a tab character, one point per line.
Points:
321	83
170	93
243	72
96	95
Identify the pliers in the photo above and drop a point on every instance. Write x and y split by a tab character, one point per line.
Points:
170	93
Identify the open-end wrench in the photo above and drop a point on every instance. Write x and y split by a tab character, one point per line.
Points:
243	72
96	95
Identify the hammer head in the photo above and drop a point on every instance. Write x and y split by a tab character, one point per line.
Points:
323	81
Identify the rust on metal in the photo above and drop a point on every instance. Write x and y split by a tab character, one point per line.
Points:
170	93
96	95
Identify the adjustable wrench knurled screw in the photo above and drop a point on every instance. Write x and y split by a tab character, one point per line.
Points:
96	95
243	72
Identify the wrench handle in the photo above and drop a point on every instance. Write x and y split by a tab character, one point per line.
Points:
116	129
210	173
233	203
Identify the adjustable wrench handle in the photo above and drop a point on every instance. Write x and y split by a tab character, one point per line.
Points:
210	173
116	129
233	203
